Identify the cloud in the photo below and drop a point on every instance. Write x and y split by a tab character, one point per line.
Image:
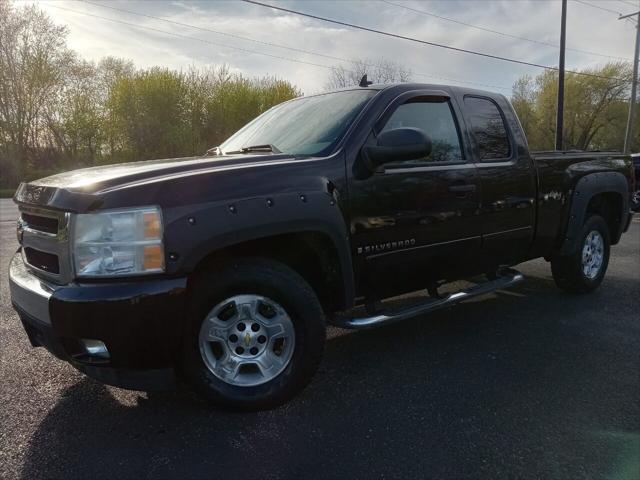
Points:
588	29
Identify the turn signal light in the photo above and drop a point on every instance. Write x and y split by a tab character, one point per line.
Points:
153	257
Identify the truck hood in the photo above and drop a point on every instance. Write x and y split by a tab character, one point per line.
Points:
89	182
95	179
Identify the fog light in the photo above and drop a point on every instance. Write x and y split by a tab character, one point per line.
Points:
94	348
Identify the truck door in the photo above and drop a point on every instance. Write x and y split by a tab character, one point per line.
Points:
507	180
416	221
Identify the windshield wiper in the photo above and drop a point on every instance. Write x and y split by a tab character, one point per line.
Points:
267	147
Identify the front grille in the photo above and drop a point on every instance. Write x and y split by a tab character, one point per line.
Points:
47	262
40	223
45	243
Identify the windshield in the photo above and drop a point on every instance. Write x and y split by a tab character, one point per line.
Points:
305	126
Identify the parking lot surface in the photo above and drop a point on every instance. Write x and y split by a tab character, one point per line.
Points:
525	383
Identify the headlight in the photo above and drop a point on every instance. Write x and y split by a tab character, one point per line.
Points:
118	242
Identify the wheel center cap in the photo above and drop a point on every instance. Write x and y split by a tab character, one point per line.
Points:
247	339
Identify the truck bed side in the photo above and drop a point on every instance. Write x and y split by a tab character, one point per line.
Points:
559	174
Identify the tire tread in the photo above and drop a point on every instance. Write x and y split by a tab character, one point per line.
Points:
567	270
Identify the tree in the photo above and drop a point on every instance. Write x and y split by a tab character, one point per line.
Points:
75	119
523	100
235	100
33	62
378	71
58	111
109	71
595	107
149	110
162	113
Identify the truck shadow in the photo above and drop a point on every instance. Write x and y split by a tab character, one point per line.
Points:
452	395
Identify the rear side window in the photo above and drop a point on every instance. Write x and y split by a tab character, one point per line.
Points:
436	120
488	127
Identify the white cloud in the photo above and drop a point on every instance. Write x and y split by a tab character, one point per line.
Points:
588	29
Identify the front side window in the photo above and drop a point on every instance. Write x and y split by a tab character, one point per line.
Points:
304	126
436	120
488	128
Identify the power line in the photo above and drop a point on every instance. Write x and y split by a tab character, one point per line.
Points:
485	29
635	5
329	67
469	82
232	35
604	9
192	38
423	42
309	52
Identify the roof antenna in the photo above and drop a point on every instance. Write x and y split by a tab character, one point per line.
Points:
364	82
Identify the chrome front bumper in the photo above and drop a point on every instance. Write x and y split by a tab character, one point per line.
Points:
29	293
103	329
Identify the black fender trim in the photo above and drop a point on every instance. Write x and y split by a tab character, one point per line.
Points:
586	188
245	220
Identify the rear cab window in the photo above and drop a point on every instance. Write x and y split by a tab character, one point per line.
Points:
488	128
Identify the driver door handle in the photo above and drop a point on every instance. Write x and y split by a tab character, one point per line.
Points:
468	188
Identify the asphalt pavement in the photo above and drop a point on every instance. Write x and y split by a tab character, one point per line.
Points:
525	383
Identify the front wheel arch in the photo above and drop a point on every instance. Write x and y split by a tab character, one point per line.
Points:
313	254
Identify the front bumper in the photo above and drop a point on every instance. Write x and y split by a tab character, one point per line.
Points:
139	321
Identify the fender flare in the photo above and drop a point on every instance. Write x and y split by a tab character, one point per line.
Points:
585	189
215	227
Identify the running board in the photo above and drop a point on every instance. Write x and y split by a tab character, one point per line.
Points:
507	278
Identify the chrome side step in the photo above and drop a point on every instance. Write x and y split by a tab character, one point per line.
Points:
507	278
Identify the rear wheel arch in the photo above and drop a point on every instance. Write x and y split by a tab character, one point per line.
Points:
604	194
608	205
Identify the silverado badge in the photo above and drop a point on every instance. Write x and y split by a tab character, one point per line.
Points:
381	247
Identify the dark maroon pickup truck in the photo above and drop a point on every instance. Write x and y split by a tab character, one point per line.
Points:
223	270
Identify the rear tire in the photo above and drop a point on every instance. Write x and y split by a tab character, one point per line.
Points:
635	201
238	316
584	271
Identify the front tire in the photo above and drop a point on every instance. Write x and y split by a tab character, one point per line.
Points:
584	271
255	337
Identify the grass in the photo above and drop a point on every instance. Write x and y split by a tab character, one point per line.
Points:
7	192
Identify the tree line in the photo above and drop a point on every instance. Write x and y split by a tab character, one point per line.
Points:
596	107
58	111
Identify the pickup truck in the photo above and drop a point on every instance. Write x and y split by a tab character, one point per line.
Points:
222	271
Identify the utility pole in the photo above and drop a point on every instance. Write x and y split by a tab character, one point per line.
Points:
631	119
560	109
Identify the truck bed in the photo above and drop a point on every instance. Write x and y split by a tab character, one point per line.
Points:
557	171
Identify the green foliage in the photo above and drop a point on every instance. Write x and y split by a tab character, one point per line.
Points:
59	112
595	108
149	112
34	61
161	113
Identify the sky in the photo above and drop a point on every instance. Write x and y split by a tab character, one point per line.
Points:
592	26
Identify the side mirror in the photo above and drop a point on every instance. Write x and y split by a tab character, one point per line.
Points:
397	145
